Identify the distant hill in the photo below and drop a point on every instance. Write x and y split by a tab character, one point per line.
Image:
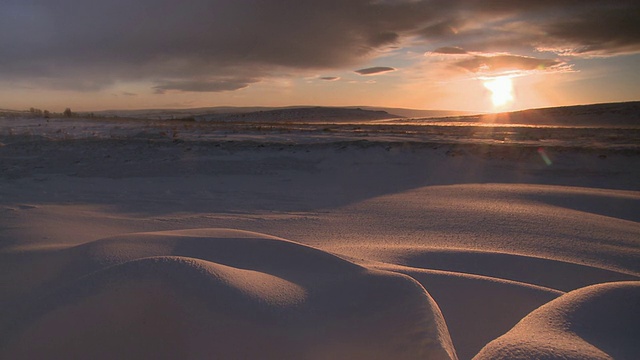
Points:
302	114
608	114
288	113
415	113
623	114
165	114
259	114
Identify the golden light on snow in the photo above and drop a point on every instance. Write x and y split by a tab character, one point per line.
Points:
501	90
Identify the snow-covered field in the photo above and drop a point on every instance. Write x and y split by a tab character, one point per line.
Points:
377	240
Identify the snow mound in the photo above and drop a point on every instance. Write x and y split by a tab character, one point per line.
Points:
596	322
213	293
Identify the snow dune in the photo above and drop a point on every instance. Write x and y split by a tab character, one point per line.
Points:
596	322
212	293
452	298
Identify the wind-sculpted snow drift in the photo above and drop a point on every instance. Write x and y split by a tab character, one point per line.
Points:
596	322
222	294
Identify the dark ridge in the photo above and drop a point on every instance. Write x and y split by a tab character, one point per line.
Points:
304	114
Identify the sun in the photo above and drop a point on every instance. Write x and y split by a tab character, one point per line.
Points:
501	91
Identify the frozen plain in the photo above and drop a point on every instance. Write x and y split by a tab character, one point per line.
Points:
179	239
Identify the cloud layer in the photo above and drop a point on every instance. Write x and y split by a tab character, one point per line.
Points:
502	63
226	45
375	70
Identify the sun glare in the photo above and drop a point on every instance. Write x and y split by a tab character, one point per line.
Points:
501	90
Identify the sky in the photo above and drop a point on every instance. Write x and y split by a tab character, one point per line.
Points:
491	55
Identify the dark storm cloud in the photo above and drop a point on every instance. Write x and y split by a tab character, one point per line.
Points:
375	70
185	41
600	31
579	28
87	44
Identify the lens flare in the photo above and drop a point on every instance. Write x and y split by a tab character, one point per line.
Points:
545	157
